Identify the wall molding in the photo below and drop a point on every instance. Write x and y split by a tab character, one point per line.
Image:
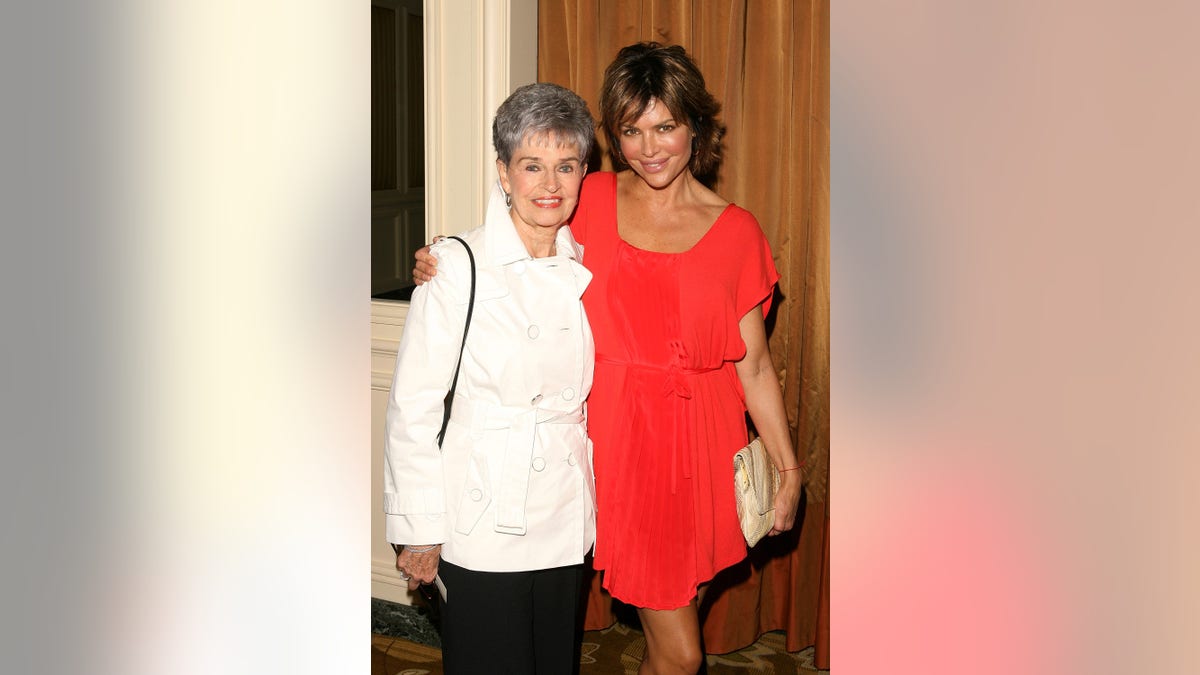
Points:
386	583
387	323
476	53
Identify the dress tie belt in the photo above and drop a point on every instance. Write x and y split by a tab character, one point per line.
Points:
677	381
512	488
677	386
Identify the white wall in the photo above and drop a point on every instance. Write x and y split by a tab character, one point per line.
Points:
476	53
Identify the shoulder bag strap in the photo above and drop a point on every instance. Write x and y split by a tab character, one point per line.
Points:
454	382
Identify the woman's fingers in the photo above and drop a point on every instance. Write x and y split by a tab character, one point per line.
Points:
424	265
787	501
419	567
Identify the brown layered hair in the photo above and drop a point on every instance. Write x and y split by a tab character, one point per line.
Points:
648	71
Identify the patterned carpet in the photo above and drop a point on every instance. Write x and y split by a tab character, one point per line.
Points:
615	651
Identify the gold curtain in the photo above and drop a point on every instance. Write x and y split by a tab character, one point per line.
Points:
767	61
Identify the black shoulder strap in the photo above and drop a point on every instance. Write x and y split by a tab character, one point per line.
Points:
454	383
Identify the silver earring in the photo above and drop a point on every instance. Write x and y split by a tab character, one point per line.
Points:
508	200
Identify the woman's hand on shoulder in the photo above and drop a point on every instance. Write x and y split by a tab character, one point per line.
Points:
425	264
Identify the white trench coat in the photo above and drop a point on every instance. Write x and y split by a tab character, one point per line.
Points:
511	488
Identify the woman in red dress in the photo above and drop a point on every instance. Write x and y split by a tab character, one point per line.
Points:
682	280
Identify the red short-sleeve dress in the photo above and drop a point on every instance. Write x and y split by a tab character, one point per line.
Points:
667	411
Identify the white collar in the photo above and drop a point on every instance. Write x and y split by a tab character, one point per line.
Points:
504	245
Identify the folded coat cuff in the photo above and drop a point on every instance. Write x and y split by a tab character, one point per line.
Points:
430	501
416	530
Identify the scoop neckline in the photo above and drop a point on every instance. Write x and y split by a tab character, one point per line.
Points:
693	247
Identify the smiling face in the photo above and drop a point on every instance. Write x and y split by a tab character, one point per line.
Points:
657	146
543	179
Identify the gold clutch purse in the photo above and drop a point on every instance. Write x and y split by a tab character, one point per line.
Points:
755	482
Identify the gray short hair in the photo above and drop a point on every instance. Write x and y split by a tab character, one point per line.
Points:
542	108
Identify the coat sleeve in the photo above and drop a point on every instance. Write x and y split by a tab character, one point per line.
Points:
414	491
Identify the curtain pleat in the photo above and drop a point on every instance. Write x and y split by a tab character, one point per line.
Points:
767	61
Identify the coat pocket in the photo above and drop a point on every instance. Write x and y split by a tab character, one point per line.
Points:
476	495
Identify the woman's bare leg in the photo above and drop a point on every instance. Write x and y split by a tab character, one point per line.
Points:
672	641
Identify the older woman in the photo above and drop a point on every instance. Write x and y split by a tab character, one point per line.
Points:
503	512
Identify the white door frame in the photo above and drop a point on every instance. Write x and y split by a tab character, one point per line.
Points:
476	53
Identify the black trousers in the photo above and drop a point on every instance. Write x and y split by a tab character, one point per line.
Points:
511	623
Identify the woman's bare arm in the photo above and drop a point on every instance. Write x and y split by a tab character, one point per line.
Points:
764	401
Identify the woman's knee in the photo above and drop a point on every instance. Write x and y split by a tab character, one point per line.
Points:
673	642
689	665
690	659
683	657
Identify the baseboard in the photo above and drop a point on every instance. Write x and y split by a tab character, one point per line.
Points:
386	583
